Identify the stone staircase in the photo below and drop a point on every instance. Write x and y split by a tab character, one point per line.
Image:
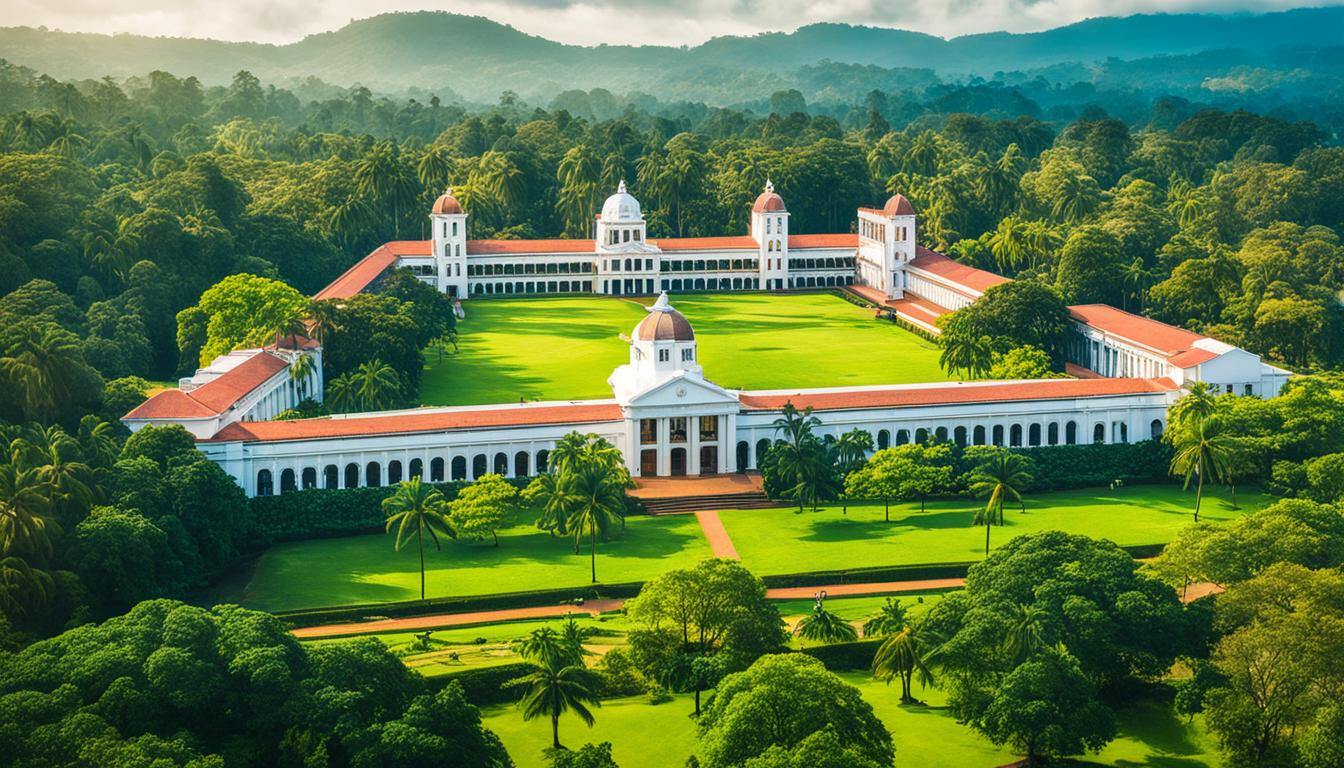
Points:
685	504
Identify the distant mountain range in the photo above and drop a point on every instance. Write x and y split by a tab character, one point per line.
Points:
478	58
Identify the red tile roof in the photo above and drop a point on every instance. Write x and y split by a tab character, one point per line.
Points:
952	394
977	280
214	397
733	243
1191	357
171	404
429	421
490	247
360	275
839	240
1167	339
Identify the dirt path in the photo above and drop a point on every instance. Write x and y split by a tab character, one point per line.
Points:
716	534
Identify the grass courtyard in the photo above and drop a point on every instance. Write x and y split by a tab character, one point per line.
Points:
564	348
366	569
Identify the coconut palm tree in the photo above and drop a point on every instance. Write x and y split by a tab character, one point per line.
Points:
382	176
907	654
851	449
343	393
1201	450
546	647
1026	633
416	509
434	167
1198	404
377	384
598	501
23	588
822	626
1003	476
554	688
553	501
57	457
24	504
1077	197
503	179
300	371
971	356
889	620
1010	244
796	425
41	363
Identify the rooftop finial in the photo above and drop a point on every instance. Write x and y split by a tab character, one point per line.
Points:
448	190
768	186
620	189
662	304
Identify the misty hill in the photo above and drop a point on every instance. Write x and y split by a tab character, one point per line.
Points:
478	57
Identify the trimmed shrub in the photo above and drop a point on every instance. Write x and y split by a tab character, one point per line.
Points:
486	685
1064	467
845	656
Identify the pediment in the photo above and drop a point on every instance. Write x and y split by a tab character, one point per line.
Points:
682	390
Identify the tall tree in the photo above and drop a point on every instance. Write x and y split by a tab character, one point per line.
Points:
416	509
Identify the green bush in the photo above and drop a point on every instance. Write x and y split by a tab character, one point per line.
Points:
845	656
1064	467
487	685
321	513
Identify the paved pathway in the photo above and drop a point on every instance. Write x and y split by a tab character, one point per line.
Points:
443	620
705	485
716	534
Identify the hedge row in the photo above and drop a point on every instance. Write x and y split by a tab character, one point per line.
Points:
320	513
486	685
1064	467
845	656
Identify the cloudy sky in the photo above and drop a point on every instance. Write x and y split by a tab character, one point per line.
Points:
592	21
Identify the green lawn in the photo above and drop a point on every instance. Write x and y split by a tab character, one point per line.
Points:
663	736
564	348
772	541
366	569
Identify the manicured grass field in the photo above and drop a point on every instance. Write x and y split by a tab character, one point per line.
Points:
663	736
564	348
366	569
773	541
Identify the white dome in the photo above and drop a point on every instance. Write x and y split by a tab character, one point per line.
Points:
621	207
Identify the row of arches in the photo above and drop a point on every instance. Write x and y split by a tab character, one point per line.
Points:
1011	436
529	287
820	282
709	265
373	474
712	284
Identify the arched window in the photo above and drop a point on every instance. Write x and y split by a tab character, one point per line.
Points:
373	474
883	439
978	435
436	469
393	472
1124	431
998	435
959	436
902	436
501	463
417	468
331	477
459	467
1015	436
762	446
542	457
941	434
1155	430
520	462
921	435
480	465
351	475
1034	435
1052	433
1071	433
264	483
287	481
1099	433
309	477
743	455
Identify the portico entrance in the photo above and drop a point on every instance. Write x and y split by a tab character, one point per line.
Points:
709	459
678	457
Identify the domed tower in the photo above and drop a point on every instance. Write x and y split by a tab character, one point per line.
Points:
621	221
886	245
770	230
448	224
661	345
902	216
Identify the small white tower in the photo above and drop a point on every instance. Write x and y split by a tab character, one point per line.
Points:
886	245
448	223
770	230
902	231
662	345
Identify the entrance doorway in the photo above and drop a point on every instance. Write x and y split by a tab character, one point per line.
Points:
709	459
648	462
678	462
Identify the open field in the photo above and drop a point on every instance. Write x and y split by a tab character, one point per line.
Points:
564	348
663	736
772	541
366	569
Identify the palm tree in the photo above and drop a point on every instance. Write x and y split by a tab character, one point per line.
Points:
42	362
796	425
347	219
1136	277
503	179
98	441
972	356
1199	403
548	493
907	654
579	175
23	588
1026	633
1201	449
889	620
416	508
57	458
1010	244
434	167
343	393
1078	197
554	688
598	501
1003	476
322	320
823	626
382	176
568	451
851	449
24	526
546	647
377	384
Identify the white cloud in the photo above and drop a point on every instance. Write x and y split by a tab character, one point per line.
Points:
591	22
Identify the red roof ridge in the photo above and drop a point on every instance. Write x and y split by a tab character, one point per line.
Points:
359	275
1168	339
965	275
953	393
171	404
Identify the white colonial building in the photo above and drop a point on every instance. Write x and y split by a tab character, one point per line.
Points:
664	415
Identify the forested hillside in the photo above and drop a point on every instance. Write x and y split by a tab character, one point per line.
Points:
436	51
